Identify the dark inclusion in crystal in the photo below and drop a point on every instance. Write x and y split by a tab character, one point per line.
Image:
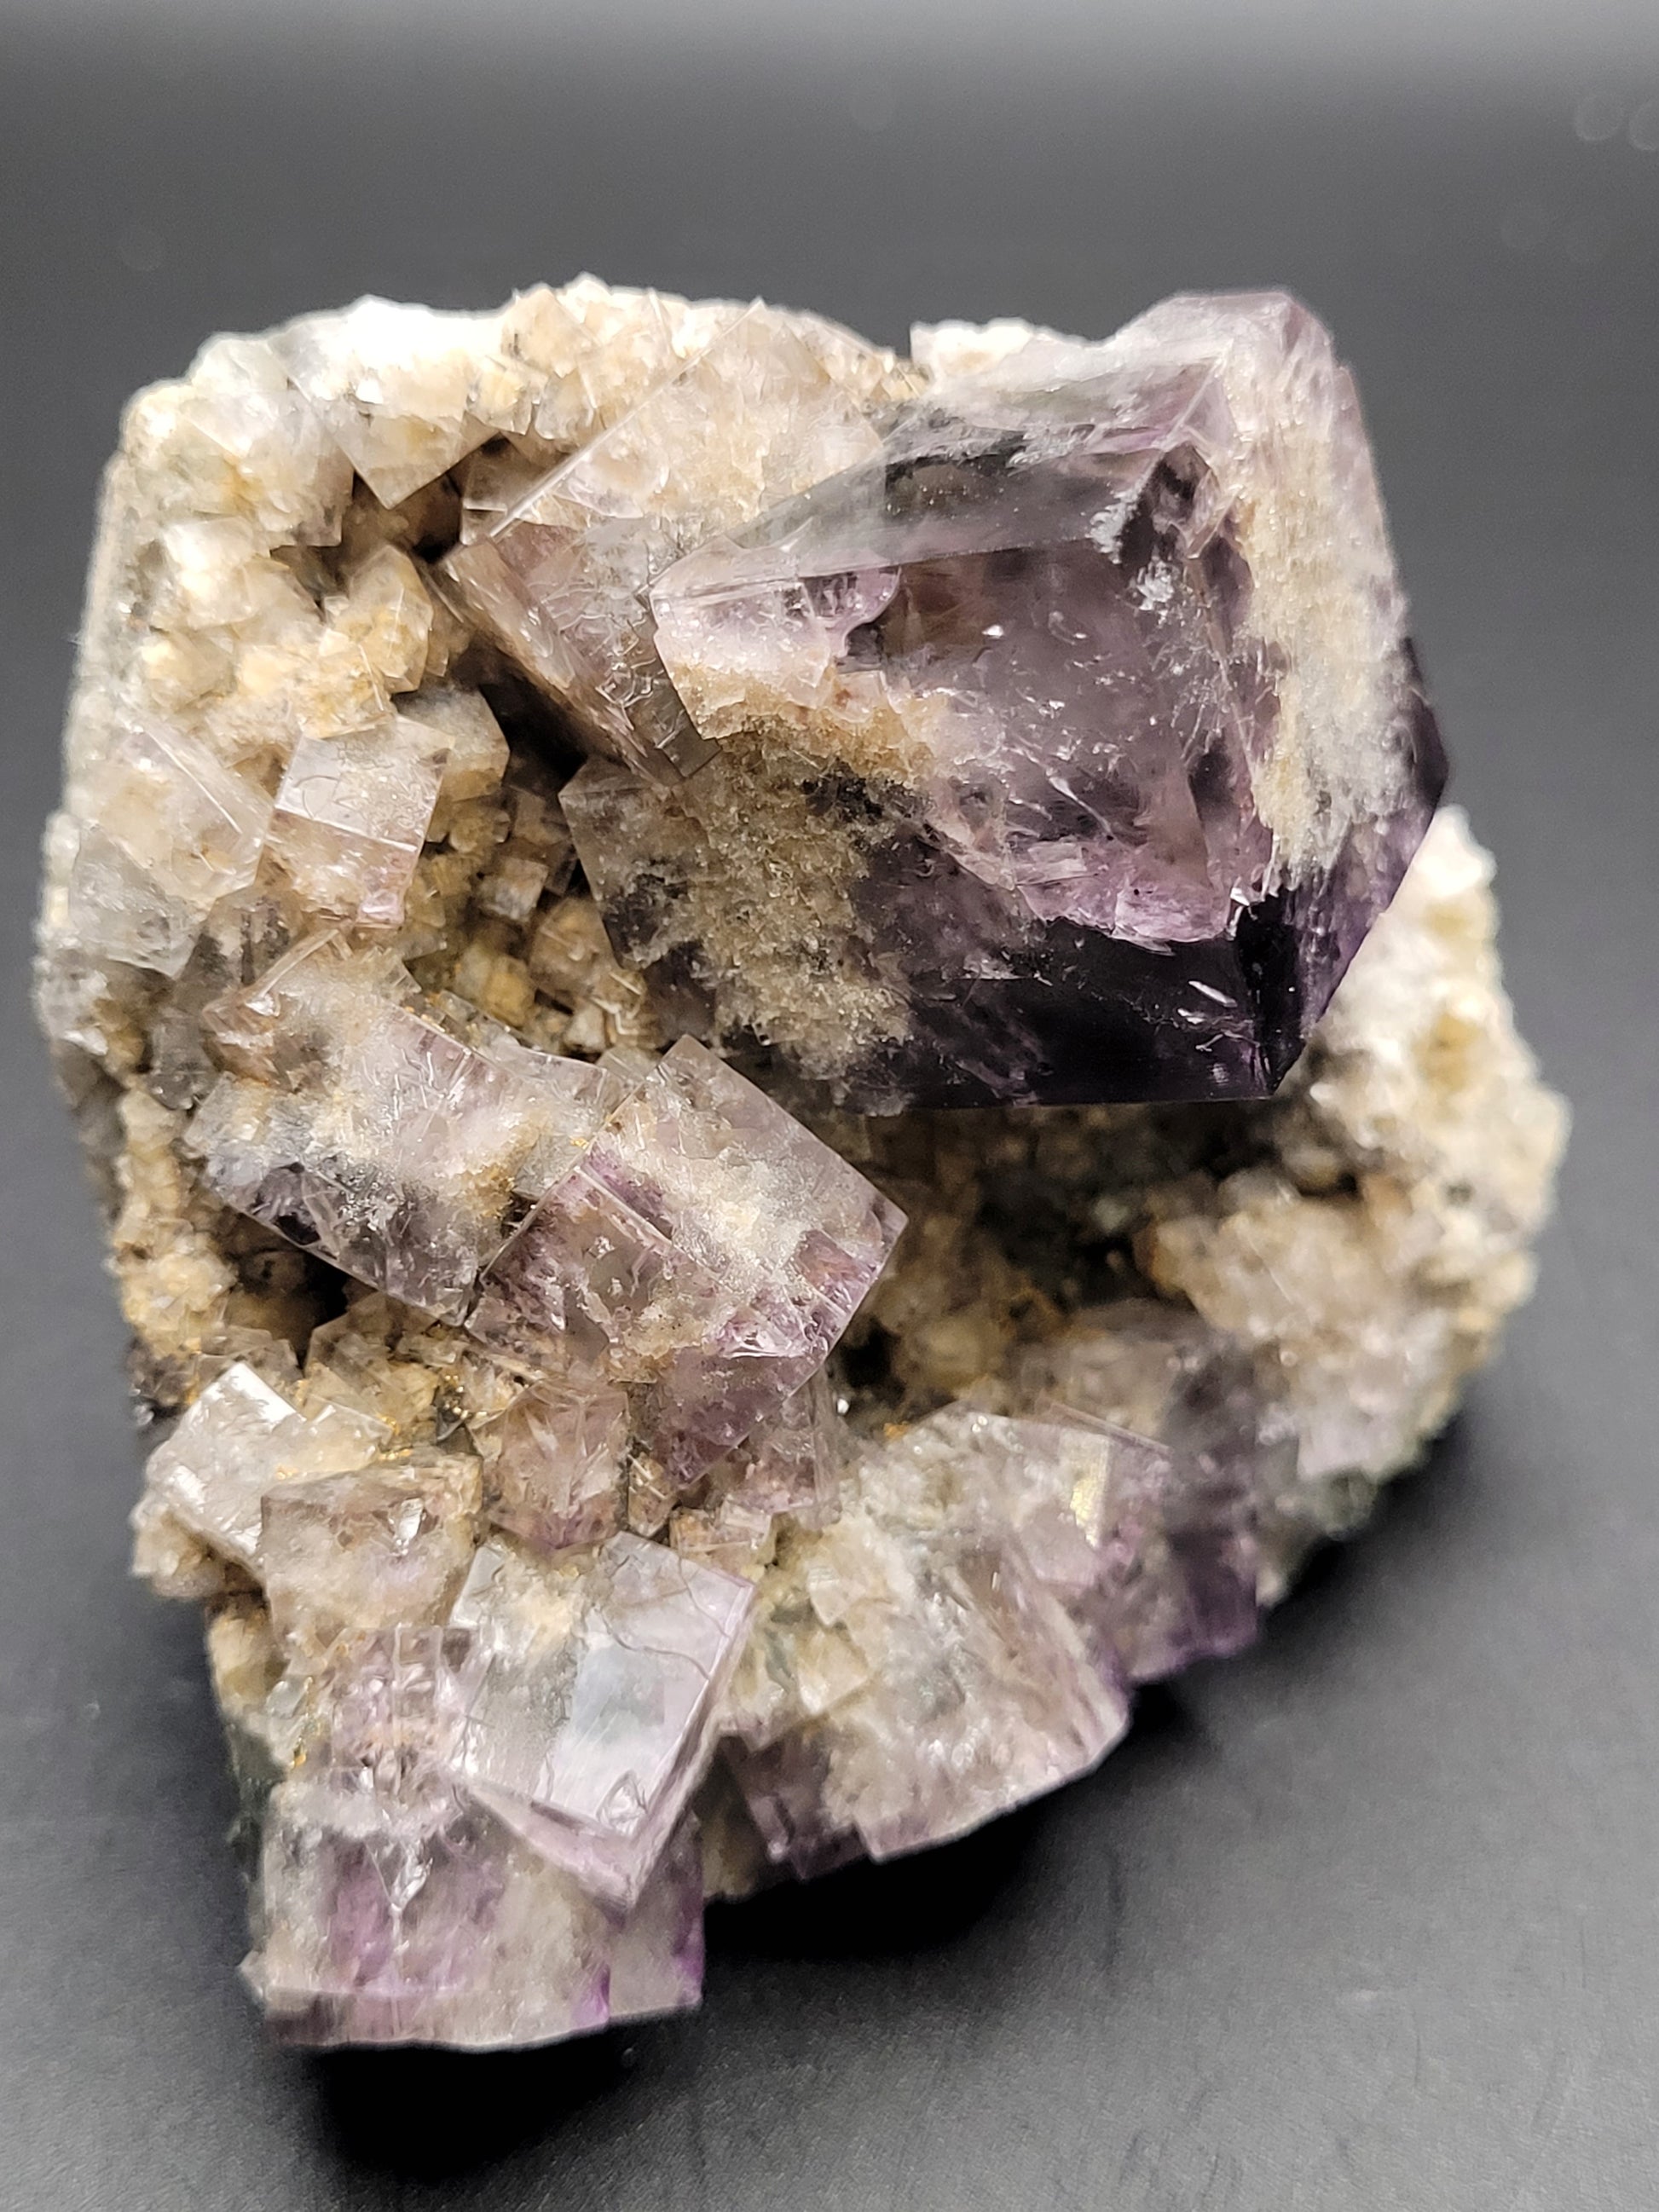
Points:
1065	751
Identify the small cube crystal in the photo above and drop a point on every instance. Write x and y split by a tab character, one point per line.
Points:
601	1689
706	1252
351	813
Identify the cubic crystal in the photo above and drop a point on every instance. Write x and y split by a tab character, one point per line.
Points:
561	582
557	1464
386	1547
351	814
363	1130
238	1440
167	831
706	1252
394	1909
599	1698
966	1690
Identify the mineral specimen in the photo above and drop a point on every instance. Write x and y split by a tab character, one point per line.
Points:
564	810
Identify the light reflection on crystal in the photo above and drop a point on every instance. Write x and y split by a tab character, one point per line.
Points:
599	1701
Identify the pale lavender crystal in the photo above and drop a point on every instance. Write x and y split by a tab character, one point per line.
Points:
558	1464
1151	1550
383	1706
386	1548
354	1122
783	1788
372	1912
981	1693
791	1463
390	1908
1098	681
165	830
594	1713
1179	1566
432	1922
1164	1372
980	1616
706	1252
595	1506
239	1440
349	817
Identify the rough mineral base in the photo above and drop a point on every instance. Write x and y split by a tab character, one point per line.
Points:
565	810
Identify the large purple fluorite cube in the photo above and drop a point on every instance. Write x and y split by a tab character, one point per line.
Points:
1065	751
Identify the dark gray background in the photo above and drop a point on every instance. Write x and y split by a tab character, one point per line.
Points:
1368	1919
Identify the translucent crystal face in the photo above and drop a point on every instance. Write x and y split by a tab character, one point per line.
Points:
237	1442
399	1910
381	1549
358	1126
167	831
1095	682
706	1251
557	1472
351	815
1049	618
599	1699
599	1502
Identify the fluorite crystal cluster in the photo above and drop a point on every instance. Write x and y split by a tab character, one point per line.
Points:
580	823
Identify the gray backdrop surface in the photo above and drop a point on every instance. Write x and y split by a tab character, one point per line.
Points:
1368	1918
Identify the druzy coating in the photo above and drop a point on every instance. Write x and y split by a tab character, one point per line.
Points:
530	776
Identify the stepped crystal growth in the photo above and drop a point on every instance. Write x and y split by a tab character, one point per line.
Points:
564	810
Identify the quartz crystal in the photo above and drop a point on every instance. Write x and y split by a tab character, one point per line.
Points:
564	810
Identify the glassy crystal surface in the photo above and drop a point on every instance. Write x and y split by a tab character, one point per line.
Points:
357	1125
558	1464
391	1909
169	831
599	1698
1151	1549
965	1689
1095	685
240	1439
386	1547
790	1464
351	814
562	580
706	1252
394	387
